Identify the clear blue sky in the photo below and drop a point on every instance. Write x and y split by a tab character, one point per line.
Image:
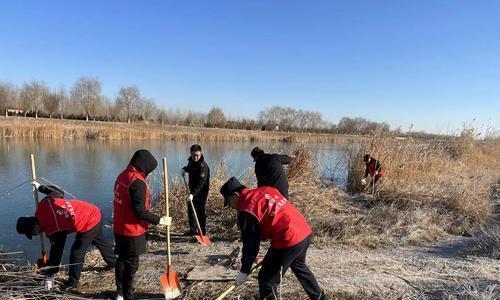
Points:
434	64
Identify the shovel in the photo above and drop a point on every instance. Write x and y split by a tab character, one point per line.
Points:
169	281
202	239
42	261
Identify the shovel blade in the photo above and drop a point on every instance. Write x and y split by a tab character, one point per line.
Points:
170	285
202	239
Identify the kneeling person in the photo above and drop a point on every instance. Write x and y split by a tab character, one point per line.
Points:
57	217
264	213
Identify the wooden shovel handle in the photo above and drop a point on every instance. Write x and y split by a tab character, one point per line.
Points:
35	196
167	213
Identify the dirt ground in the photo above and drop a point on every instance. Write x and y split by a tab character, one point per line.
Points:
410	272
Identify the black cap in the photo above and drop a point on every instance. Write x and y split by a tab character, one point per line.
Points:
366	157
256	152
51	190
25	226
229	188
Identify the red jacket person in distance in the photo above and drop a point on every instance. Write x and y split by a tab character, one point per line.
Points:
264	213
57	217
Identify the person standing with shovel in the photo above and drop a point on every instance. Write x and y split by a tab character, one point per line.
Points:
199	185
131	219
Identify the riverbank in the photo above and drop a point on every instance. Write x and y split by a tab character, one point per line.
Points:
430	232
74	129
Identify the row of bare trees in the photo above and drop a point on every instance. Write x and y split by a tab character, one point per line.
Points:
84	100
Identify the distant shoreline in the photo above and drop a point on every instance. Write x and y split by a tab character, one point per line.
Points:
21	127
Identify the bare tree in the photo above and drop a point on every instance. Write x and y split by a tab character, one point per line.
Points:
8	94
33	94
216	117
148	109
162	117
63	96
87	91
52	103
129	98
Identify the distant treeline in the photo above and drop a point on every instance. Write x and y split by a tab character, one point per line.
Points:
84	101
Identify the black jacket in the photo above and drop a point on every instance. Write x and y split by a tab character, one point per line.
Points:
250	236
145	162
199	177
269	171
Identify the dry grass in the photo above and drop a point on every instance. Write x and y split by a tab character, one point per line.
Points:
72	129
487	241
426	194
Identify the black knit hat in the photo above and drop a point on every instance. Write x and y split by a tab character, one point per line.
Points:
256	152
229	188
25	226
366	157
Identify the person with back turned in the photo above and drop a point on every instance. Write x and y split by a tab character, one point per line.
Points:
269	170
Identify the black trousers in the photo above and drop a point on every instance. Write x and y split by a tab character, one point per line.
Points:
199	204
80	246
126	267
277	260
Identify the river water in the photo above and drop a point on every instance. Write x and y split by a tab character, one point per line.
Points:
88	169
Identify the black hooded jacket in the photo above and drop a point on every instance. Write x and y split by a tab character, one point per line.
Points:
199	177
269	171
145	162
127	246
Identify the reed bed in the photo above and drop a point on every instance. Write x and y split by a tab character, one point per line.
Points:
428	191
73	129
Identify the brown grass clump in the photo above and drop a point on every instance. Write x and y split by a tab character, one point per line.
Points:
487	241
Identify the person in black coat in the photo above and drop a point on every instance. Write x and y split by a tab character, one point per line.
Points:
269	170
199	185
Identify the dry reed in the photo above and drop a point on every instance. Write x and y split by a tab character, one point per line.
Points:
73	129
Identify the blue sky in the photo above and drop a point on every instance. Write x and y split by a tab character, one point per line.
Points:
433	64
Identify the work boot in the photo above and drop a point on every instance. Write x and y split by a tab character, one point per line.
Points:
189	233
71	287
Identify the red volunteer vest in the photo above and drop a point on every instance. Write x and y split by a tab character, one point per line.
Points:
278	219
125	221
57	214
372	167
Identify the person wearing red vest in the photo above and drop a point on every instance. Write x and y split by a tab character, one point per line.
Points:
373	168
131	219
264	213
57	217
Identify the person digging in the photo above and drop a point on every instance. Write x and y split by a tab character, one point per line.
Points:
269	169
57	217
374	169
264	213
